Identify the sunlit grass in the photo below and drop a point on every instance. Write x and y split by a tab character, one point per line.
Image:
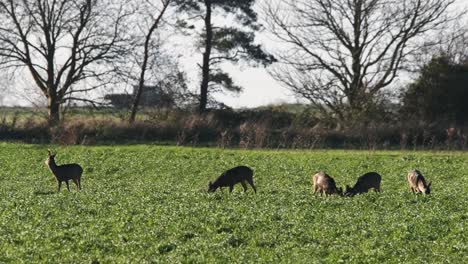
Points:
148	203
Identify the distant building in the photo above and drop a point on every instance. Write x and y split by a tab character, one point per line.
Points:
152	96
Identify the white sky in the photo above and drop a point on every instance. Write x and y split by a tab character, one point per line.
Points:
259	87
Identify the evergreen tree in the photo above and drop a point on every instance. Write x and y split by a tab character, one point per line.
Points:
225	43
440	92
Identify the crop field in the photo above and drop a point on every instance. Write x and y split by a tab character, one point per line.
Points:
149	203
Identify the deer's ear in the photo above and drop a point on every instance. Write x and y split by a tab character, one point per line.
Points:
429	185
49	152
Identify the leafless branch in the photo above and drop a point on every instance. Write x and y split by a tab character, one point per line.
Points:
62	42
339	53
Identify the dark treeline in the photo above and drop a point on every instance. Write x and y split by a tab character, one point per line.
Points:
343	58
282	126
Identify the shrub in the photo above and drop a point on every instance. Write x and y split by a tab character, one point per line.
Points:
228	128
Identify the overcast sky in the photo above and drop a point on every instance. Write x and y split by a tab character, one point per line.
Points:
259	87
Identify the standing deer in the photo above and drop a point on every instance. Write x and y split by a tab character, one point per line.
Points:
233	176
417	183
364	183
325	184
64	173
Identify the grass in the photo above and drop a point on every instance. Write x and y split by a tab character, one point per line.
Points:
148	204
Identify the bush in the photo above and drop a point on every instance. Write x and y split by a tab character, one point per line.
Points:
265	128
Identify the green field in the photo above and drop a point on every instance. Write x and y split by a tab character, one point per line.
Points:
149	204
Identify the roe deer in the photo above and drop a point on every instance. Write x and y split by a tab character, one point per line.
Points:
364	183
64	173
417	183
231	177
325	184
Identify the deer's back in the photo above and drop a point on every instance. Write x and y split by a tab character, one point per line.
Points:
324	181
68	171
234	175
367	181
415	178
239	173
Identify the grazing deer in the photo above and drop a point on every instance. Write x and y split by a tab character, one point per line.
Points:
417	183
233	176
325	184
64	173
364	183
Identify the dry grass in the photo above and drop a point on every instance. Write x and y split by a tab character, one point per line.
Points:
231	129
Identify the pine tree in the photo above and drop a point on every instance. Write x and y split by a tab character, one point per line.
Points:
225	43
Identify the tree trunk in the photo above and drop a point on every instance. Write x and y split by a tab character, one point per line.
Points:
206	59
136	100
141	83
54	111
356	99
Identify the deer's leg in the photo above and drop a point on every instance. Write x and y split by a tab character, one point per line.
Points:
77	184
68	186
59	184
250	181
244	185
231	187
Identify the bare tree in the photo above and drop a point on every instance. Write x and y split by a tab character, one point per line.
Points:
3	87
62	43
453	44
340	54
448	42
159	8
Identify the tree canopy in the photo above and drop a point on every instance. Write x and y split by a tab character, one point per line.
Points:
61	43
440	92
340	54
225	43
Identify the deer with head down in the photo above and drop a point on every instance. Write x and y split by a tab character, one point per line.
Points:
64	173
229	178
325	184
417	182
370	180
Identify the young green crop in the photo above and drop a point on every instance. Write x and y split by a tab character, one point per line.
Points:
148	203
